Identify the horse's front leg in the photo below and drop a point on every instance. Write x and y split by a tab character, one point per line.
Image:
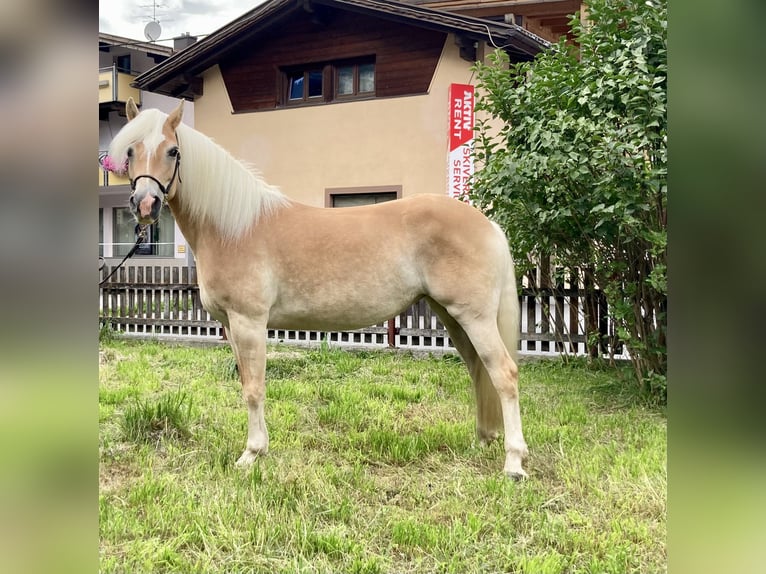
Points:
248	339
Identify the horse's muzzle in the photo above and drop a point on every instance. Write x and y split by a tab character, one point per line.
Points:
145	206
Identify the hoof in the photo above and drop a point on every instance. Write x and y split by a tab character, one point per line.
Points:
247	459
517	476
513	468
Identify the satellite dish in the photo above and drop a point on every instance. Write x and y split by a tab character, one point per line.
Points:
152	30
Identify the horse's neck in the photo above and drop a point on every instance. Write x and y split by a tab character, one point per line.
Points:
190	229
201	233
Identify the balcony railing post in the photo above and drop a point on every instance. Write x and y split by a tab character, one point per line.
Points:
114	82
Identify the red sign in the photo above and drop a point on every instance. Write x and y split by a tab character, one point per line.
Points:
461	122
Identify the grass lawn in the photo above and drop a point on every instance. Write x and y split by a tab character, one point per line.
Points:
373	467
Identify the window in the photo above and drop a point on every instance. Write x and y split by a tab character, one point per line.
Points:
352	199
329	82
123	236
160	235
304	86
352	196
355	80
123	63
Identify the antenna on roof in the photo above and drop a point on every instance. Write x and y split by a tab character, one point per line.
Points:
153	29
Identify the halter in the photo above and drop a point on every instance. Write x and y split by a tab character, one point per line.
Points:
164	189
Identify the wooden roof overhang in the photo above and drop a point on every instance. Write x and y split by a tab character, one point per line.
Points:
106	41
551	14
179	75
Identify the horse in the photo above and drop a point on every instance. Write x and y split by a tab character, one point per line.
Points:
265	262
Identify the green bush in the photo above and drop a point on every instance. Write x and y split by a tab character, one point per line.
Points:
578	169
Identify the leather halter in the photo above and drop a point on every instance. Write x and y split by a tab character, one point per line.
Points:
164	189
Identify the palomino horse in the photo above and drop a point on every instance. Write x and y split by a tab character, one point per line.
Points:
265	261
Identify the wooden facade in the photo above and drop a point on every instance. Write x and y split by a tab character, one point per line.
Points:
403	35
405	60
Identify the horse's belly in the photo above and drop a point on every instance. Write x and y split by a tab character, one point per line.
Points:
339	311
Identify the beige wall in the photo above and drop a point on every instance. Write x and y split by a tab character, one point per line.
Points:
396	141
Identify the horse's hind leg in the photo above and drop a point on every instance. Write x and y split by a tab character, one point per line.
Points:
248	339
489	415
504	373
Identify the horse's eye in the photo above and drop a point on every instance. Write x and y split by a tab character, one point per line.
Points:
173	152
130	152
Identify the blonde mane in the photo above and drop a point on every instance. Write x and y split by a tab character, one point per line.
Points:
214	186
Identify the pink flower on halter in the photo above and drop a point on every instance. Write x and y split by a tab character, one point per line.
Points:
109	164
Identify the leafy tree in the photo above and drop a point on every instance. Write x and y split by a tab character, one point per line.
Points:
574	163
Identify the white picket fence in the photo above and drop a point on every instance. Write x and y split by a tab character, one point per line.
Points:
164	302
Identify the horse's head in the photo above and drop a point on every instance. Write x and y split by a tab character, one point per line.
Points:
147	148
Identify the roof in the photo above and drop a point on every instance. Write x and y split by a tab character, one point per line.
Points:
150	47
205	53
500	6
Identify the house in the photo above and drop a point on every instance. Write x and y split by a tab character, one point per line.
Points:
121	60
341	102
548	19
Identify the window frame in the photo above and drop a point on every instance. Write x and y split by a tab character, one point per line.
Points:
152	247
331	192
355	65
306	98
330	82
123	63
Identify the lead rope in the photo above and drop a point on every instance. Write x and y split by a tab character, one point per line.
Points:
139	240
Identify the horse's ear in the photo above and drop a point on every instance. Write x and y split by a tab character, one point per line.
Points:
131	110
175	116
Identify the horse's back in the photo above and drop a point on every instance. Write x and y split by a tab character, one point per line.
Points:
429	218
424	227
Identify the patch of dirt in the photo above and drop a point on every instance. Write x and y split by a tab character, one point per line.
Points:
115	476
106	356
285	355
